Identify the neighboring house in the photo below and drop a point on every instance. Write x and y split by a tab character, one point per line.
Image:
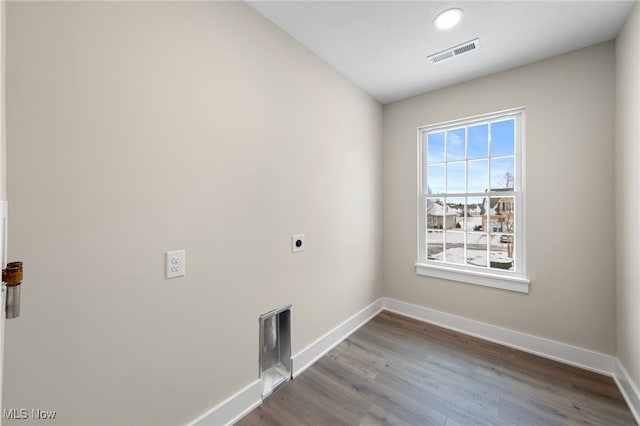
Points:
500	215
439	217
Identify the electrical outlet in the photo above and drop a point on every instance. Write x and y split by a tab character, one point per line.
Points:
297	243
175	264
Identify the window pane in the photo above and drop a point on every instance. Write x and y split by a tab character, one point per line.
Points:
479	141
501	254
501	214
455	145
455	213
472	176
435	213
478	175
476	213
455	247
477	249
502	173
502	138
455	177
435	179
435	147
435	245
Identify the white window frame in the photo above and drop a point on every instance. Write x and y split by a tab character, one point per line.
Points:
515	280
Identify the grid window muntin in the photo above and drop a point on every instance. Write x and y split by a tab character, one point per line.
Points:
470	209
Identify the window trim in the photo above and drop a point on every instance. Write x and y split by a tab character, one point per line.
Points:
508	280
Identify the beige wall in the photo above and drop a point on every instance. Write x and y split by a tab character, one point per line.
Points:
627	194
3	127
137	128
570	229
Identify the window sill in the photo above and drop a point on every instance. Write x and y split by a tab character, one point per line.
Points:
512	283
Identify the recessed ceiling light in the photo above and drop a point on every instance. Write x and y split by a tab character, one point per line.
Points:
448	19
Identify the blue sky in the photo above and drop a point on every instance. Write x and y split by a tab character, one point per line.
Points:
502	138
477	139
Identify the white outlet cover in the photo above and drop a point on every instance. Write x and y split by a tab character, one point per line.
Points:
297	243
175	264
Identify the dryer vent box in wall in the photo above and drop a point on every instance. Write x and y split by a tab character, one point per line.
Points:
275	349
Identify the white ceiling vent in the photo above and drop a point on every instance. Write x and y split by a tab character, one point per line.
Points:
454	51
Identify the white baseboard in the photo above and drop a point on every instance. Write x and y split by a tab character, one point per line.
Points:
306	357
568	354
238	405
233	408
628	389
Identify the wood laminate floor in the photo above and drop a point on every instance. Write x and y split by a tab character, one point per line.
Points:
398	371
